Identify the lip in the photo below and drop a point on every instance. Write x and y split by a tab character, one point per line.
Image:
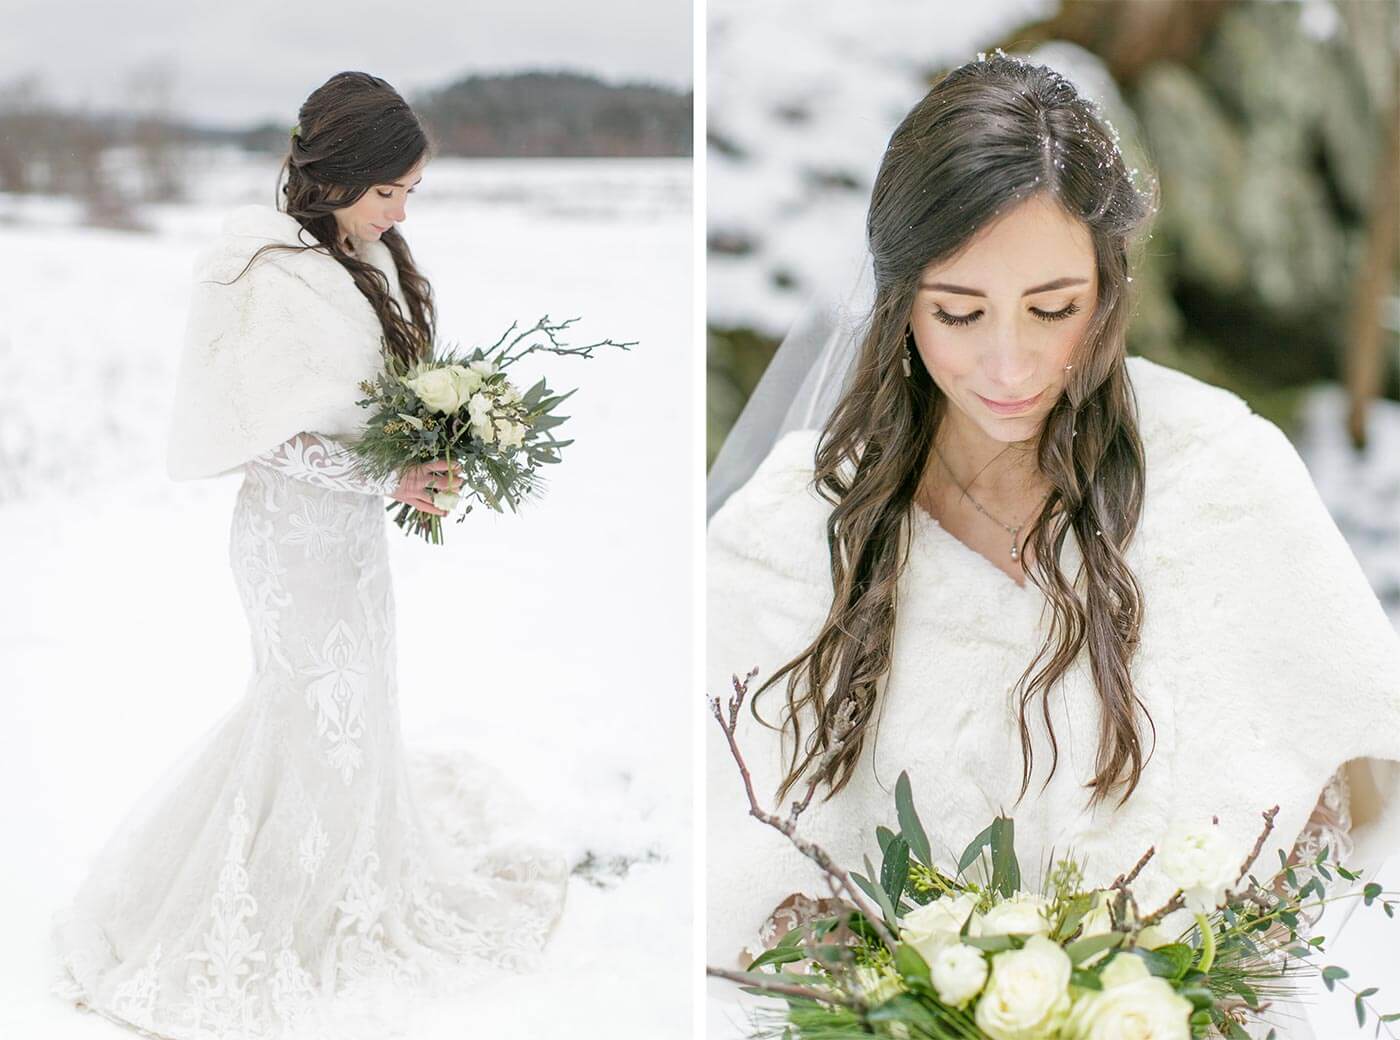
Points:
1009	407
381	230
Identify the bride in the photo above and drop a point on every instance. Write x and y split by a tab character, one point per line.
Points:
295	873
1048	579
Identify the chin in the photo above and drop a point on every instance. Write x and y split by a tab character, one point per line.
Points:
1013	431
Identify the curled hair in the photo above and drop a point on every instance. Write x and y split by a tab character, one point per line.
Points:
353	132
990	135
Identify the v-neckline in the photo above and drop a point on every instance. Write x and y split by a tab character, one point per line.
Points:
923	519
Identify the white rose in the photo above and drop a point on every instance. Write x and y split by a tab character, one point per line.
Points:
512	434
959	973
1201	864
480	408
937	924
1152	937
484	430
437	388
1025	913
1133	1005
1027	994
468	382
446	499
482	367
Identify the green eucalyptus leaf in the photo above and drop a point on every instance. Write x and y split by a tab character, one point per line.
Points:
894	871
1082	949
909	823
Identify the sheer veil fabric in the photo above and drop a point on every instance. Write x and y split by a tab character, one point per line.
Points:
804	380
297	873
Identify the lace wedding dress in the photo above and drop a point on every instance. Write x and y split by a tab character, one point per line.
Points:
297	873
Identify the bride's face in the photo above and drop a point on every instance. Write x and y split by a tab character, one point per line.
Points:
995	327
380	208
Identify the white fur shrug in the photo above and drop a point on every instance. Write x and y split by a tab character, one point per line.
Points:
280	351
1266	663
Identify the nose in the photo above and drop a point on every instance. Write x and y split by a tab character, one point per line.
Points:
1008	366
398	213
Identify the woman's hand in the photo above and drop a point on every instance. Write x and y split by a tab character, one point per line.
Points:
417	484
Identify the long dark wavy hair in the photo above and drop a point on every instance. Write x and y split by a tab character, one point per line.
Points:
354	131
991	134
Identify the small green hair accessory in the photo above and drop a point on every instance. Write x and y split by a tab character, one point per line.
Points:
296	130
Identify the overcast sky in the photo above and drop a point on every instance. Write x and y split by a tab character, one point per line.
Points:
243	61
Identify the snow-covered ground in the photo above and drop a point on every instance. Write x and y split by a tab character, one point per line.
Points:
121	636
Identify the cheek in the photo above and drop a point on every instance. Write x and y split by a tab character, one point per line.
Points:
945	355
1060	346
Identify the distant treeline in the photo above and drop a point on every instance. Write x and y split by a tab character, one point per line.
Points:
48	148
542	114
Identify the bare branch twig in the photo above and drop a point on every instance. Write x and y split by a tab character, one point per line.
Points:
839	878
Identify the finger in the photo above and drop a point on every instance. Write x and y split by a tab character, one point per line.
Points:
426	505
438	466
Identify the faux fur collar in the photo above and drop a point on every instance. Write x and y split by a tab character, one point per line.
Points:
274	351
1179	417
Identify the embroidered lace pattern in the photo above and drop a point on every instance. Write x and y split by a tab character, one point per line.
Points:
298	873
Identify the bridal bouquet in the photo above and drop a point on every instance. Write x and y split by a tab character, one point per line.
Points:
463	408
920	954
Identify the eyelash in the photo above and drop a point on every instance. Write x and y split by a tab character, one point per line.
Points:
383	196
968	319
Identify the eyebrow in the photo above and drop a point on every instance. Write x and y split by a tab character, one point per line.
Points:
1058	283
399	184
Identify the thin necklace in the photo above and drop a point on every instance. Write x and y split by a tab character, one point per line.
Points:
1013	531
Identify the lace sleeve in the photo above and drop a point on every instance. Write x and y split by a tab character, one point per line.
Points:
796	909
1329	826
325	462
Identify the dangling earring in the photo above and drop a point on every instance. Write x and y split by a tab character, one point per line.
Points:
908	349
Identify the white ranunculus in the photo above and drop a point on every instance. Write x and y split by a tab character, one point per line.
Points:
1200	863
935	925
510	433
1025	913
482	367
446	499
438	388
959	972
1134	1004
1027	993
480	407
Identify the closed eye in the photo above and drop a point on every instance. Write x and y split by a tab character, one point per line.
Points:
389	194
968	319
